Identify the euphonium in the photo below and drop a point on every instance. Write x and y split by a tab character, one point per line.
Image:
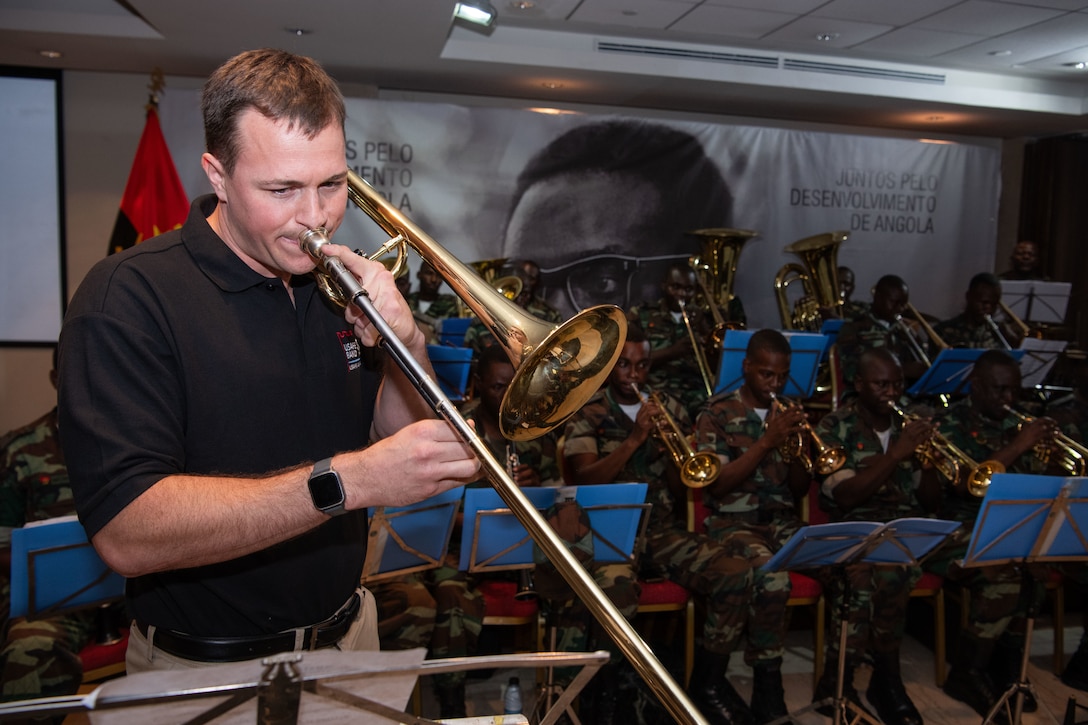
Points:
557	368
819	278
697	469
951	462
1071	456
828	458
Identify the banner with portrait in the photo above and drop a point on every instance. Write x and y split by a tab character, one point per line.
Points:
605	202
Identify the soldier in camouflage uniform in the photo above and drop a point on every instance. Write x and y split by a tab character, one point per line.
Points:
752	509
881	326
39	658
612	438
851	308
987	652
876	483
675	370
428	306
972	327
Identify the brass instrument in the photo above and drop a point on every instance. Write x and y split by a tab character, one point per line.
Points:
509	286
716	267
996	330
1014	319
934	338
698	351
697	469
526	588
950	460
819	278
557	369
1071	456
828	458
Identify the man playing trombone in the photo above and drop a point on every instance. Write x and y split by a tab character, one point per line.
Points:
877	483
976	327
621	435
752	511
986	656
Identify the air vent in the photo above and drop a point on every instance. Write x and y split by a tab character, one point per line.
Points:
661	51
863	71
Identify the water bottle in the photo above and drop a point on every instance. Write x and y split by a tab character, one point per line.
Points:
511	701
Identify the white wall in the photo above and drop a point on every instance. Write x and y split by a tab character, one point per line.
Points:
103	116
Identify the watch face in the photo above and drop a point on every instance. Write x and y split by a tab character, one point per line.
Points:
326	490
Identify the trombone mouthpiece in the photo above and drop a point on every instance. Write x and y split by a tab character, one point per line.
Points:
312	240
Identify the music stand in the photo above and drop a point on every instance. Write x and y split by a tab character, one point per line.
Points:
451	368
617	518
1028	519
948	373
840	544
407	539
807	349
54	570
1039	358
451	330
1033	300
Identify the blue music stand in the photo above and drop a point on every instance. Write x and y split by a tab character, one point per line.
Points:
616	518
837	545
492	539
451	331
831	329
451	368
406	539
55	569
949	372
1028	519
807	349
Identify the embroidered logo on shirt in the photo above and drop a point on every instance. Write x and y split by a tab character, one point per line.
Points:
353	351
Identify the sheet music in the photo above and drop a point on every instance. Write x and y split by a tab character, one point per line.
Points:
1036	301
1039	358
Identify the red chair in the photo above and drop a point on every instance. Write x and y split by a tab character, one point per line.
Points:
668	596
501	608
103	661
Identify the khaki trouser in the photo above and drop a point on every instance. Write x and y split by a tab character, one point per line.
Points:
142	656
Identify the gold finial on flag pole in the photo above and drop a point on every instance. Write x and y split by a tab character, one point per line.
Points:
158	82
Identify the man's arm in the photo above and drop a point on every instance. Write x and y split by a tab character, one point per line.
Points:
734	472
853	488
590	468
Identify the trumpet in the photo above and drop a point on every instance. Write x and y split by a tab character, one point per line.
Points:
828	458
1070	455
950	461
557	369
697	350
697	469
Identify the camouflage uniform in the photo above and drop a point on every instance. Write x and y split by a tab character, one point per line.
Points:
995	590
958	332
754	520
877	606
40	657
854	309
478	337
866	332
440	308
692	560
679	378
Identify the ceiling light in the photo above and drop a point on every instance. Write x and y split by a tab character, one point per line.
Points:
999	53
476	12
551	85
522	4
1080	65
826	37
934	119
298	32
51	54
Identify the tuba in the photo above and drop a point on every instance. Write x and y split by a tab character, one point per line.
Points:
819	278
1059	449
697	469
557	369
716	267
950	460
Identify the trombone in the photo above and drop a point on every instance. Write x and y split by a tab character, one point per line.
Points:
557	369
950	461
1071	456
697	469
828	458
912	342
697	350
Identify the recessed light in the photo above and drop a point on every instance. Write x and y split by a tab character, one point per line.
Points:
551	85
51	54
999	53
826	37
1080	65
298	32
522	4
934	119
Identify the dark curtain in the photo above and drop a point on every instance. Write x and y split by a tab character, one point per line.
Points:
1054	213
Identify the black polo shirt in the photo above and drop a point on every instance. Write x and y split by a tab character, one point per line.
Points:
178	358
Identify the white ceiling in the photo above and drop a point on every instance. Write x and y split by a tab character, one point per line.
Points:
981	67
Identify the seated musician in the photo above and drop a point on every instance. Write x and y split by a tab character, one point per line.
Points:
614	438
441	609
877	483
751	504
883	326
675	368
851	308
528	272
427	305
987	653
976	327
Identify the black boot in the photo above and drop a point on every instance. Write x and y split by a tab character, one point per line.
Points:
1005	668
1075	673
713	694
597	703
451	700
887	694
968	679
768	697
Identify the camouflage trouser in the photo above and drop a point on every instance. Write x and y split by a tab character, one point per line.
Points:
438	609
756	544
995	591
40	658
705	567
576	629
876	608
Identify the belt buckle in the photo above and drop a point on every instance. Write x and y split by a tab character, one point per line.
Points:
312	631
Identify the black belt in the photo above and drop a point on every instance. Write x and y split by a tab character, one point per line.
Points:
236	649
